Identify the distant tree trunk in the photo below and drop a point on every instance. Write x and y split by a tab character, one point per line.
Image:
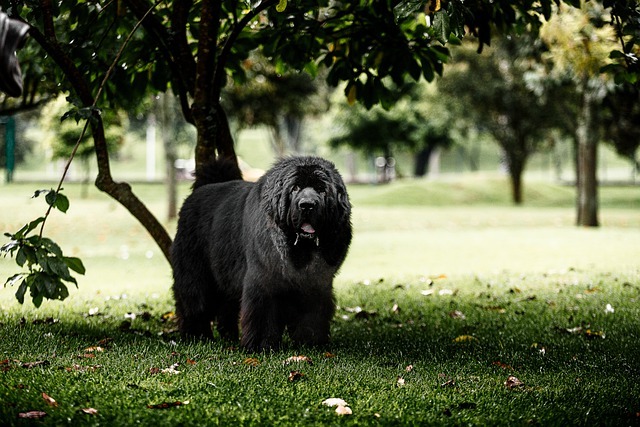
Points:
421	162
293	125
515	165
587	137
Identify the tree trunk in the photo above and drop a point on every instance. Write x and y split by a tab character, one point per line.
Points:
516	166
587	136
421	162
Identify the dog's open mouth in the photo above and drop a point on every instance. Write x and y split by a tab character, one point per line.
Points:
307	232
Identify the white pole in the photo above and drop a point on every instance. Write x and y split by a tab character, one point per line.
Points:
151	147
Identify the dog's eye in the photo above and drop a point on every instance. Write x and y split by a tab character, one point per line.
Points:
295	189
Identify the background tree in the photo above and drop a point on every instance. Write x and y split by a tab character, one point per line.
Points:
491	91
278	100
580	44
413	125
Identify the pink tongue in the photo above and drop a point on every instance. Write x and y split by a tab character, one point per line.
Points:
307	228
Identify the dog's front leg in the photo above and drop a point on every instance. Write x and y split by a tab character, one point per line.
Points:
259	320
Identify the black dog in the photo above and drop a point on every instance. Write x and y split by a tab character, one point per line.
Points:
265	253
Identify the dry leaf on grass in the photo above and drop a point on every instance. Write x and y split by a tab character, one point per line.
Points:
400	382
32	414
29	365
50	400
343	410
89	411
465	338
295	376
251	361
334	401
457	314
171	369
295	359
513	382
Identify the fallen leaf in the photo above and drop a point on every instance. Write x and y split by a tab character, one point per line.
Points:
29	365
105	342
496	308
503	365
427	292
50	400
93	311
513	382
457	314
251	361
408	368
171	369
191	362
343	410
295	376
576	330
168	316
94	349
32	414
89	411
329	355
448	383
334	401
395	308
154	371
609	309
87	356
465	338
400	382
594	334
296	359
445	292
166	405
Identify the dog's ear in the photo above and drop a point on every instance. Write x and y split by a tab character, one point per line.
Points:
275	198
335	243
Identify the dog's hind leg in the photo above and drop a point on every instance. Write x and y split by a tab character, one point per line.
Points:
228	317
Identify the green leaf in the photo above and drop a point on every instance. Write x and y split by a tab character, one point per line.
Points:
58	201
441	26
50	287
75	264
14	279
281	6
21	291
21	257
51	246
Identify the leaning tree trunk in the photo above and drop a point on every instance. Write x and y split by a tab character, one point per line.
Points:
586	177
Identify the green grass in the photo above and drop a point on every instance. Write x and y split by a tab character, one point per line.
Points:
431	264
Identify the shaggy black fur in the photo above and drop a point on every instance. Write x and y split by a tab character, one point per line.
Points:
265	253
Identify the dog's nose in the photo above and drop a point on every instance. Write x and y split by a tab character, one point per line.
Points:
307	204
308	199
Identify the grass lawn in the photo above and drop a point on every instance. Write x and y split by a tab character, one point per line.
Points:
454	308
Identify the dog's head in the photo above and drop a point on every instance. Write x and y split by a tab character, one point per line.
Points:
307	199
